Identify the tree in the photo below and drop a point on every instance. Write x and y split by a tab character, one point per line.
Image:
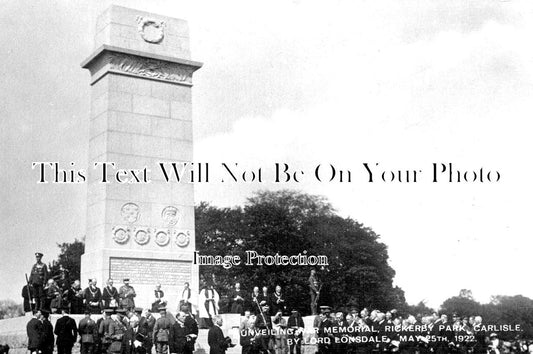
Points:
462	306
69	258
420	309
292	223
10	309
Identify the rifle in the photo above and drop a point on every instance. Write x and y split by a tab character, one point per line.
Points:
30	298
262	314
317	295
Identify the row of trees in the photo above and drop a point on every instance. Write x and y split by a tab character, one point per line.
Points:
501	309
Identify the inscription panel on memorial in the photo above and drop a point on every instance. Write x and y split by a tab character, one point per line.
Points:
150	271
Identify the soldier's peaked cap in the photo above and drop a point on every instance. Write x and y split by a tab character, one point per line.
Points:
38	254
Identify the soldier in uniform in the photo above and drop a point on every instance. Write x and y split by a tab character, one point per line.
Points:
38	279
87	330
66	332
103	330
126	295
35	330
117	329
161	333
314	291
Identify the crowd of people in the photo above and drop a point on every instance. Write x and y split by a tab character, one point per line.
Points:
117	331
269	324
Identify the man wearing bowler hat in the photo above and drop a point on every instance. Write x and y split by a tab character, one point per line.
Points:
38	279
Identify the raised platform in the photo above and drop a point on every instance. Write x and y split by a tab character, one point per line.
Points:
13	333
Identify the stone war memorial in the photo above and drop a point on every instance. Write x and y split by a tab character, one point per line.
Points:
141	115
141	79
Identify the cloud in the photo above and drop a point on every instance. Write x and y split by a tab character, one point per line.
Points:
452	98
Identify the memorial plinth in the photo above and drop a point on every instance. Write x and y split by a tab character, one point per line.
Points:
141	79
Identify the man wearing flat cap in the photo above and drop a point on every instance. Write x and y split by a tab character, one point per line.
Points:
126	295
38	279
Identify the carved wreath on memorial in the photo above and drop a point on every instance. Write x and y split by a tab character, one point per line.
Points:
162	238
121	235
142	236
152	31
183	238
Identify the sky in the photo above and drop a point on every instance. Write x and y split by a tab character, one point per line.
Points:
403	84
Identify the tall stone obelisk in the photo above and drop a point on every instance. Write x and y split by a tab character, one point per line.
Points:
141	79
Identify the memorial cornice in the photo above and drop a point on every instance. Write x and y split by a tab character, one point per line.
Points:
109	59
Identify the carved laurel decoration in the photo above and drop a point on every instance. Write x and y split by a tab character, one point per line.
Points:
152	68
183	238
142	236
162	238
121	235
151	30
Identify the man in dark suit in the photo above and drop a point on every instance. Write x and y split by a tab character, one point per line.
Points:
146	327
48	334
215	338
295	325
34	329
236	298
66	332
27	295
324	333
191	328
178	335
